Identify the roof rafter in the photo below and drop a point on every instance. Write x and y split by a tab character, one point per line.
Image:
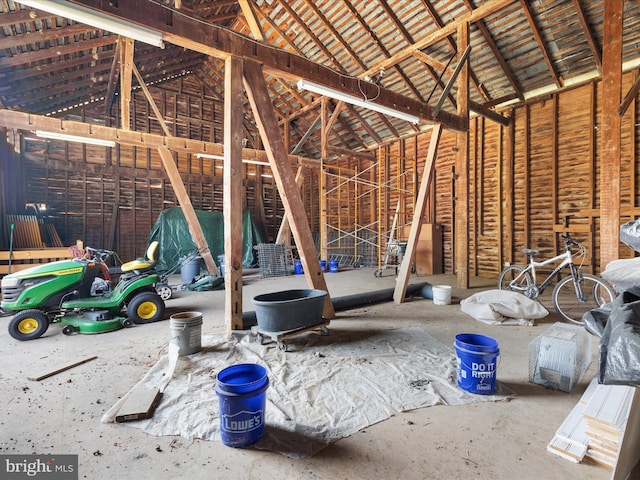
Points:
543	48
205	38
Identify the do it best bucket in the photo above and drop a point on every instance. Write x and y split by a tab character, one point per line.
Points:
477	357
242	398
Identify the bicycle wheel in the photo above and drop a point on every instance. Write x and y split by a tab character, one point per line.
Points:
514	280
595	293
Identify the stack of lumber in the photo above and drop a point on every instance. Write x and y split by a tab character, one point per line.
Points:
30	231
603	427
606	419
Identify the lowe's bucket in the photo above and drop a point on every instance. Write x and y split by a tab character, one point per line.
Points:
477	357
186	331
242	398
297	267
333	266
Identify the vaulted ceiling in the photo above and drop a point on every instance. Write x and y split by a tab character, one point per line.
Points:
519	50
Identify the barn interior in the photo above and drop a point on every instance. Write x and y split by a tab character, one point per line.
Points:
405	144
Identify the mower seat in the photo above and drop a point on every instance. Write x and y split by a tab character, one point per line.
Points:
141	264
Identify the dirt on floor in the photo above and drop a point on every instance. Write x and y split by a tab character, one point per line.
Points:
493	440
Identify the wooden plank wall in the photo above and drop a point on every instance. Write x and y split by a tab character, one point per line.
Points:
111	197
549	158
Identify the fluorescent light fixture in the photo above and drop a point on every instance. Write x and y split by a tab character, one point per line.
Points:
97	19
361	102
74	138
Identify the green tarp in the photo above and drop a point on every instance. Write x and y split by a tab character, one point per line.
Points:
175	240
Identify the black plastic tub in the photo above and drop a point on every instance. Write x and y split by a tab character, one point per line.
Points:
289	309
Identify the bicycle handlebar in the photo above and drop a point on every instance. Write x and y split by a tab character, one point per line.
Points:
569	241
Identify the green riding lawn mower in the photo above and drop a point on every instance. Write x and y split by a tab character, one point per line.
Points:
76	294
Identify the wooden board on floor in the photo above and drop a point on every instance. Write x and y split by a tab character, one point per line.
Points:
140	404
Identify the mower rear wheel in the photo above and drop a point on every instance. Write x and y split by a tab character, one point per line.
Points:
68	330
28	325
145	307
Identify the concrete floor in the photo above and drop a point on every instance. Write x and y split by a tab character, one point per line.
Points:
504	440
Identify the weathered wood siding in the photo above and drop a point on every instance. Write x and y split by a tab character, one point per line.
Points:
550	159
111	197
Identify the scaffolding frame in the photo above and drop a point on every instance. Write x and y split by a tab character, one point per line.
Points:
347	193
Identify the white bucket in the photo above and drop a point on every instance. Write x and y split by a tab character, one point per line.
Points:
186	331
441	294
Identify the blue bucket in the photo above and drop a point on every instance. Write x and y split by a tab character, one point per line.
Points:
242	397
323	265
477	357
333	266
297	267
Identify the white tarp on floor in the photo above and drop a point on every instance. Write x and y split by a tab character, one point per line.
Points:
331	387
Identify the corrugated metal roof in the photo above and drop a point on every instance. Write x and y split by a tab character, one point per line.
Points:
48	63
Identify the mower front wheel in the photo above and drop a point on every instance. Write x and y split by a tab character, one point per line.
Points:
28	325
145	307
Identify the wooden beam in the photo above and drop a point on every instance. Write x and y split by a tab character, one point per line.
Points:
126	66
449	29
252	21
629	97
187	208
284	232
507	215
152	103
113	75
611	133
30	122
489	114
461	219
232	188
45	54
294	207
178	187
588	35
526	8
219	42
418	215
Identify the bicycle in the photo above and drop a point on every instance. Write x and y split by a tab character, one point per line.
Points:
572	296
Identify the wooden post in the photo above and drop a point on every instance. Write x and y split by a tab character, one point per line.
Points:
461	220
126	64
284	232
187	207
281	168
418	215
232	188
611	133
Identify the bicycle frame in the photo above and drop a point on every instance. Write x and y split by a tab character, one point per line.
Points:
567	259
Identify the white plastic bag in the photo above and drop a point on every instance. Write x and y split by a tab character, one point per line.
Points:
502	307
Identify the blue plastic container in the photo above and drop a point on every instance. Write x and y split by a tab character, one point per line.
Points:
221	264
477	357
323	265
297	267
242	398
333	266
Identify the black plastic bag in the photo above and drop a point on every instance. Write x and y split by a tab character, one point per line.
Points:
618	326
